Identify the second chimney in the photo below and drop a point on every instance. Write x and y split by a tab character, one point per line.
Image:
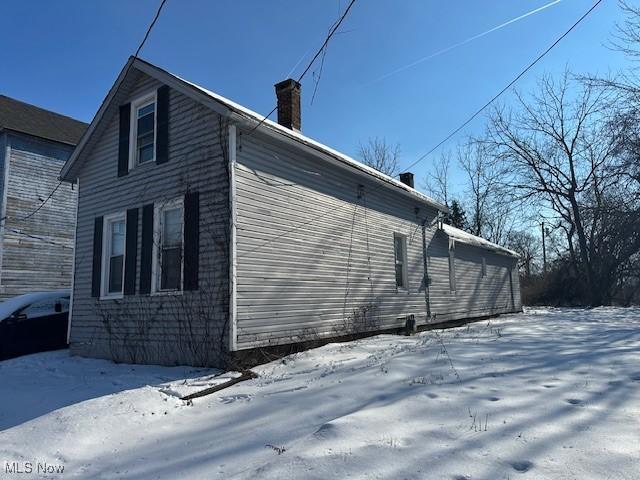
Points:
288	93
407	178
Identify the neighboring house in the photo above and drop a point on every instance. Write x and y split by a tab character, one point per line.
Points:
205	232
36	225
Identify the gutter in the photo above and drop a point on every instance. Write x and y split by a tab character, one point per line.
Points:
300	141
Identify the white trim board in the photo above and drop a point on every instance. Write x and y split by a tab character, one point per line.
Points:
73	265
233	265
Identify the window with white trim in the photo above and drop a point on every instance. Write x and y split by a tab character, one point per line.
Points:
400	251
113	254
452	267
143	130
169	258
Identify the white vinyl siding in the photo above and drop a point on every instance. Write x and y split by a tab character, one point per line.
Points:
195	163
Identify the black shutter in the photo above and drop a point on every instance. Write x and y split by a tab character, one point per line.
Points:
97	257
131	252
162	117
191	240
146	255
123	146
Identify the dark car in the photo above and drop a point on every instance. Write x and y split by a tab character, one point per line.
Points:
34	322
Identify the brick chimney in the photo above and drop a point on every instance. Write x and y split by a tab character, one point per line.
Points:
407	178
288	93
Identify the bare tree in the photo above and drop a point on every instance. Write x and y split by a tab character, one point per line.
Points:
379	154
437	182
559	150
626	38
529	247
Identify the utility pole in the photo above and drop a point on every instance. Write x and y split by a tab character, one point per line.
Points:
544	252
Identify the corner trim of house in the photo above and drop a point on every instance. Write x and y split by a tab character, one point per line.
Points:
233	294
73	265
3	210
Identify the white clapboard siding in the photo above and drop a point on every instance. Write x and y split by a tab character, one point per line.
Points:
315	244
37	240
314	247
157	328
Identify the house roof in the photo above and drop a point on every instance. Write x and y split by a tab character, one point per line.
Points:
244	116
25	118
466	237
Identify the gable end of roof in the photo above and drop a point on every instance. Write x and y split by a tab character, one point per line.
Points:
241	114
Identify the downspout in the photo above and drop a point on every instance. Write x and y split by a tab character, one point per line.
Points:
233	294
3	209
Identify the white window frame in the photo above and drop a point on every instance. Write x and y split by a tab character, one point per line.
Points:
157	233
405	274
452	267
106	249
137	104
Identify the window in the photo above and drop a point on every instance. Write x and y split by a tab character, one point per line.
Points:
49	306
113	255
169	247
143	130
400	248
452	267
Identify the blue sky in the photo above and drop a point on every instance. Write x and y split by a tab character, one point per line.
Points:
64	55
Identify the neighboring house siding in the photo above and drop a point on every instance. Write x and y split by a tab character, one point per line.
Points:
37	246
186	328
307	245
475	295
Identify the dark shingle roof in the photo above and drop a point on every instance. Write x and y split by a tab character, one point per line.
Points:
25	118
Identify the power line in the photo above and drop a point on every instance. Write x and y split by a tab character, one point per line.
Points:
326	42
40	239
151	25
511	83
42	204
140	46
454	132
332	31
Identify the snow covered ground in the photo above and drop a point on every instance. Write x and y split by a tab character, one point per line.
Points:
548	394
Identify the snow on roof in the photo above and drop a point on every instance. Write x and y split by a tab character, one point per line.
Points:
241	112
266	123
13	304
469	239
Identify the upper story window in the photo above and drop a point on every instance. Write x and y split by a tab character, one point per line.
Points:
400	248
113	255
143	130
169	257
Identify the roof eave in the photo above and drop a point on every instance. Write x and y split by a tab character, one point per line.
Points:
67	173
242	116
22	132
296	141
